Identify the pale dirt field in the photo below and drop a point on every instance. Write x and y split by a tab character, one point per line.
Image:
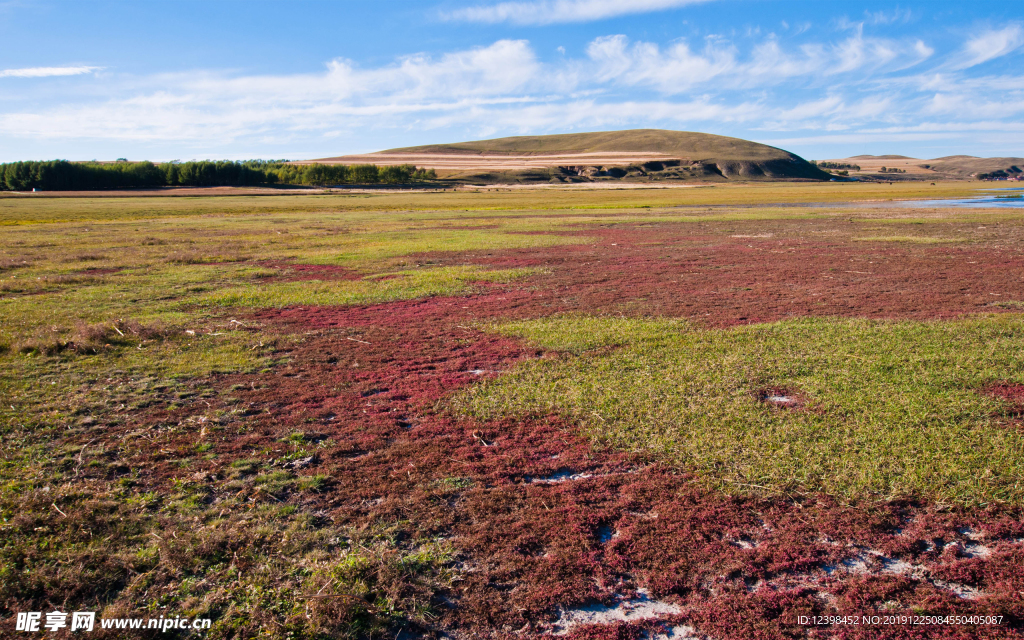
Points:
494	162
874	165
617	185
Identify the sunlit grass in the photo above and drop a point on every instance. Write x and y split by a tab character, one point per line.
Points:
386	287
911	239
893	409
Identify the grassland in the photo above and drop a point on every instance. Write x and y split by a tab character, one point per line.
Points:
886	410
24	209
370	415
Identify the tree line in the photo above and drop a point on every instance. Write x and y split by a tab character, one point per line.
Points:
1013	172
836	165
61	175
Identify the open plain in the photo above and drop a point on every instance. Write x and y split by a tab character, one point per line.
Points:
722	412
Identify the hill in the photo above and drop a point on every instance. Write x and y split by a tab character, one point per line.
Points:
646	154
970	166
886	157
960	167
681	144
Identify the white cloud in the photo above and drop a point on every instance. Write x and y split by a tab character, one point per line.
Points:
210	106
488	120
960	103
678	68
46	72
991	44
857	51
855	83
675	70
543	12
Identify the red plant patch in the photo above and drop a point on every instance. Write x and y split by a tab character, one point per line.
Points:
292	272
1012	394
685	271
97	271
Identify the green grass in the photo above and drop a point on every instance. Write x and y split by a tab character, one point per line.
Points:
385	287
911	239
893	409
249	567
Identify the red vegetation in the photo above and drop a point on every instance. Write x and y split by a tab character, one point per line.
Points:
295	272
1010	393
544	522
724	281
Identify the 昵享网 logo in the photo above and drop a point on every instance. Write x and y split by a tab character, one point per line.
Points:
30	621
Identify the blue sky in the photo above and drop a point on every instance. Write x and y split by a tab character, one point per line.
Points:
236	79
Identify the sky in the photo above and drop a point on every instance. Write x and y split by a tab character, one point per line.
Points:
236	79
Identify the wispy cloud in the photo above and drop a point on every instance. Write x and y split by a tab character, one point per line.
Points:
889	17
45	72
543	12
991	44
679	68
674	70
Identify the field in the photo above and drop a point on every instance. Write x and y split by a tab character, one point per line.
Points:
715	412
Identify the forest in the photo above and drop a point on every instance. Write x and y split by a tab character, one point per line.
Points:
62	175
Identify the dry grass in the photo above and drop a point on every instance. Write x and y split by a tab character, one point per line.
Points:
94	338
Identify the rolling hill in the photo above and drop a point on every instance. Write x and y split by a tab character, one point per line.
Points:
970	166
640	154
946	168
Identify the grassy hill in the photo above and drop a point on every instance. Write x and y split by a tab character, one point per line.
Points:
682	144
967	166
716	156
